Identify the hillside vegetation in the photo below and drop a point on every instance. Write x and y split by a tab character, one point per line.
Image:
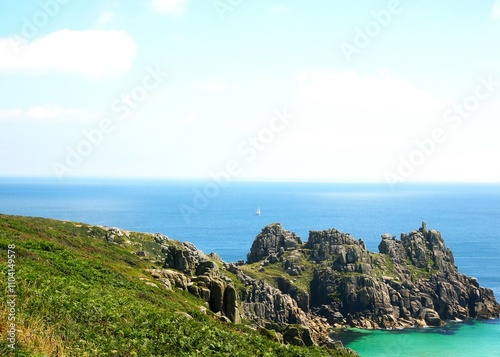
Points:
78	294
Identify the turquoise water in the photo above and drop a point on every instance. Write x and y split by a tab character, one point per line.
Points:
471	339
225	222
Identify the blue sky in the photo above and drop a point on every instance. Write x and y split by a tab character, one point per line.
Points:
322	90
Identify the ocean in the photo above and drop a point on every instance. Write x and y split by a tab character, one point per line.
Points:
221	218
471	339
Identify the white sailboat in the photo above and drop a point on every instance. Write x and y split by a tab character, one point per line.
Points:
258	211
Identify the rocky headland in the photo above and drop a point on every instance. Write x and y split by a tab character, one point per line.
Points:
300	292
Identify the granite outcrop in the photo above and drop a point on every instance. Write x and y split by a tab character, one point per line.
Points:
302	291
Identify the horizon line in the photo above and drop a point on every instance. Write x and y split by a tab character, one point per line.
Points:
244	180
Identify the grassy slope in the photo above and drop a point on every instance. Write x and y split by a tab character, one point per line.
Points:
79	295
273	272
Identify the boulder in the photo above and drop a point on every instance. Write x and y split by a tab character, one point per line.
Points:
184	258
160	238
273	240
432	318
231	304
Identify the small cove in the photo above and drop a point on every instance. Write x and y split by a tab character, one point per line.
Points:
470	338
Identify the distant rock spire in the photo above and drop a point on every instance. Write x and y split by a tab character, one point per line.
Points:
424	227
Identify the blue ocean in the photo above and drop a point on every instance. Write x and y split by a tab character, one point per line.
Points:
222	218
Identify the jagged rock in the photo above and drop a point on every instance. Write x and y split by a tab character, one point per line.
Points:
199	291
231	304
393	248
217	288
432	289
201	276
184	258
215	256
302	298
273	258
208	268
262	302
160	238
432	318
298	336
272	240
345	252
113	232
292	264
170	278
412	282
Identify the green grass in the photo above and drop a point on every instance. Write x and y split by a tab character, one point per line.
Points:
384	266
78	295
421	273
270	274
238	285
273	272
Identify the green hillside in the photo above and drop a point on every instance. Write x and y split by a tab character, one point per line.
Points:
79	295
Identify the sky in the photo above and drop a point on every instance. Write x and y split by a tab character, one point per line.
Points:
363	90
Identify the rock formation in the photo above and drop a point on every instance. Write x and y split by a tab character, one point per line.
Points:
411	282
272	242
190	269
300	291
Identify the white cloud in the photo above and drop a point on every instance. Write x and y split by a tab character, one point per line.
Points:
495	11
172	7
92	53
47	112
44	112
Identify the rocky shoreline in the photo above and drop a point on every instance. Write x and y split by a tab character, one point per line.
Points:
300	292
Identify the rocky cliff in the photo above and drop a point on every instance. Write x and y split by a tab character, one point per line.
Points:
272	242
188	268
301	291
411	282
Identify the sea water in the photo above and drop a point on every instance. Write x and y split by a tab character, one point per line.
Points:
468	339
222	219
